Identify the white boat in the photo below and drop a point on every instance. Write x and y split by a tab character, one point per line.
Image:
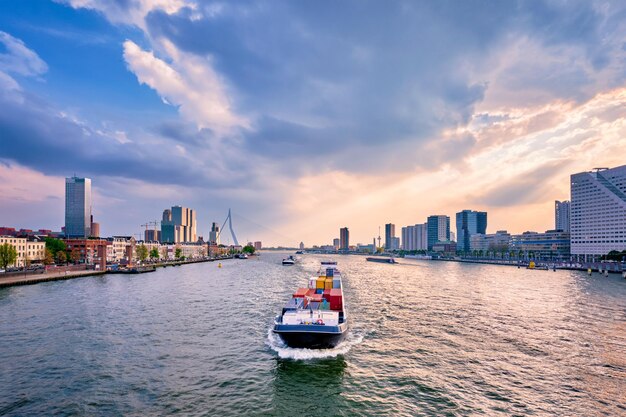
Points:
289	261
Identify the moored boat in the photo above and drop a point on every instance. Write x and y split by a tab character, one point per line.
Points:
315	317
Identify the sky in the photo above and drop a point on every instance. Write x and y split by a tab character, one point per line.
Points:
304	117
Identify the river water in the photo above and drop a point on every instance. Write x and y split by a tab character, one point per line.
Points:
426	338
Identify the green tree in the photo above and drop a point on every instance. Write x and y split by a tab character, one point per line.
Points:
248	249
8	255
142	252
178	253
154	253
75	256
48	258
55	245
61	257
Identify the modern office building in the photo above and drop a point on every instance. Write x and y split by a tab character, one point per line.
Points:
77	207
258	245
344	239
179	225
214	234
561	215
468	223
598	212
551	245
438	229
336	243
390	233
498	241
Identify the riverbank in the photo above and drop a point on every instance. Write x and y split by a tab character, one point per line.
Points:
613	268
59	275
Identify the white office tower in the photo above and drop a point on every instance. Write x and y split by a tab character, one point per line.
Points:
598	211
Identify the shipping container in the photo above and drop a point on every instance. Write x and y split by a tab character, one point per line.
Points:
321	282
319	291
312	282
310	292
330	272
300	292
316	298
336	299
336	283
326	295
328	284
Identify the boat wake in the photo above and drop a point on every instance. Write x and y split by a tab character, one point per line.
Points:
285	352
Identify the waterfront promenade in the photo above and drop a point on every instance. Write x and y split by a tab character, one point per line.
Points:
60	275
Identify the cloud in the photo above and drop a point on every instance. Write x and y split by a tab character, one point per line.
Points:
128	12
188	82
19	59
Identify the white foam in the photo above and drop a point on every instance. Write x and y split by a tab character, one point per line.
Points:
276	344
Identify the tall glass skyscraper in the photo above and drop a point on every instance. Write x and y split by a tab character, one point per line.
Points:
344	239
438	229
469	223
77	207
561	215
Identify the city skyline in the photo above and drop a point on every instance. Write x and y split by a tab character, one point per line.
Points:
155	117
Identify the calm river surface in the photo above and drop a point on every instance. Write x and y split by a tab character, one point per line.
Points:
427	338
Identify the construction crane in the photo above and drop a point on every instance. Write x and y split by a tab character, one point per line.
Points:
148	224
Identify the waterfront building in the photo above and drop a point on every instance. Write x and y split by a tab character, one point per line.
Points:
390	233
445	247
301	246
598	212
561	215
365	248
118	247
498	241
336	243
553	244
468	223
438	229
344	239
31	249
77	207
395	243
258	245
90	251
179	224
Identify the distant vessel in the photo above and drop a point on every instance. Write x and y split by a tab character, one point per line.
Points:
315	317
241	256
381	260
289	261
299	252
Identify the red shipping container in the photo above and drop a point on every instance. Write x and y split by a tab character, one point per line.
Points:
327	295
336	299
316	297
310	292
301	292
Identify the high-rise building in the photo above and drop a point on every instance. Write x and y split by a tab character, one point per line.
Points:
438	229
178	225
301	246
415	237
469	223
258	245
598	212
390	233
77	207
214	234
336	243
344	238
561	215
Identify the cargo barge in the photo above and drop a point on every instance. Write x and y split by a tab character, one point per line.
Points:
315	317
381	260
